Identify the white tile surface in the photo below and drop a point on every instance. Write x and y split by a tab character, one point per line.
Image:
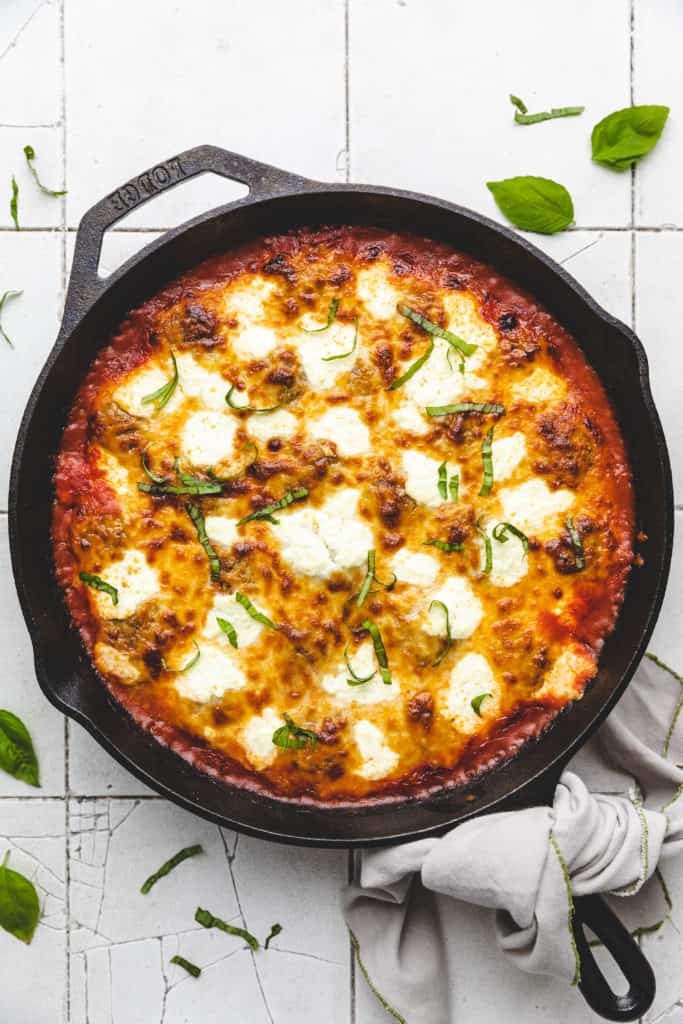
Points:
30	72
35	208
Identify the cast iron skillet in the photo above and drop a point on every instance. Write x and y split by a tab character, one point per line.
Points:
276	202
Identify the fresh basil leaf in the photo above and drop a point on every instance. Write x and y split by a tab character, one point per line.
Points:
97	583
298	494
30	154
253	611
193	661
17	756
625	136
197	518
167	867
442	545
163	395
229	630
380	650
534	204
19	905
14	203
5	298
477	702
293	736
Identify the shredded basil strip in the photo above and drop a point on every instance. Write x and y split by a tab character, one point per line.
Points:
229	630
253	611
197	518
413	368
449	410
5	298
477	702
198	487
449	638
206	918
523	117
454	486
159	480
97	583
30	154
165	869
520	104
162	395
442	545
369	577
292	736
267	512
500	533
344	355
14	203
193	661
442	484
192	482
186	965
579	556
252	410
461	363
331	314
275	930
464	347
355	679
487	460
488	548
380	650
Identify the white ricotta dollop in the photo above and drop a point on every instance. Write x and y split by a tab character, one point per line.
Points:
222	530
135	581
534	508
507	453
509	560
257	737
376	292
318	541
253	339
470	678
414	567
374	691
465	611
225	606
315	351
407	416
207	386
141	383
343	426
272	424
208	437
216	671
422	477
378	757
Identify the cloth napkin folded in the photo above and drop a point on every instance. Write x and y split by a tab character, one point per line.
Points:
615	813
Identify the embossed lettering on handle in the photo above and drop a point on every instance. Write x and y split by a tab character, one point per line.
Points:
135	191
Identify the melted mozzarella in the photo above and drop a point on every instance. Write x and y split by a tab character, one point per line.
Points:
301	544
315	349
533	507
408	416
208	387
378	757
510	562
343	426
222	530
471	677
464	609
226	607
539	387
247	301
144	382
462	311
134	579
439	381
216	672
377	294
507	453
319	541
414	567
118	478
422	477
567	676
113	662
257	737
207	438
272	424
255	342
372	692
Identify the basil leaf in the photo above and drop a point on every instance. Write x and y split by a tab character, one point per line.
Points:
413	368
487	460
30	154
6	296
442	545
154	477
14	203
380	650
331	314
442	481
477	702
229	630
369	577
625	136
17	756
165	869
197	518
252	410
488	547
186	965
97	583
500	533
449	637
345	355
465	348
579	556
275	930
522	115
520	104
534	204
253	611
163	395
206	918
267	512
193	661
19	906
292	736
355	679
450	410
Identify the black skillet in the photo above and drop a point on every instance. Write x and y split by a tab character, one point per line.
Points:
277	201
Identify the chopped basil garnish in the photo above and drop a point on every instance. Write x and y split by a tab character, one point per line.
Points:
165	869
206	918
344	355
97	583
454	486
229	630
5	298
442	545
579	556
380	650
449	638
446	486
253	611
186	965
487	460
292	736
163	395
197	518
30	154
413	368
500	533
448	410
369	577
17	756
19	904
355	679
533	204
625	136
522	116
331	314
252	410
477	702
152	476
464	347
488	548
14	203
193	661
275	930
267	512
520	104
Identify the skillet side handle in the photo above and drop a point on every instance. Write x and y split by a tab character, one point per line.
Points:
85	285
627	954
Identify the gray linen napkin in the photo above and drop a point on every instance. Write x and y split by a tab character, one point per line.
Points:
616	812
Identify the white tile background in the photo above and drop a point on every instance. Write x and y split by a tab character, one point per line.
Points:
405	92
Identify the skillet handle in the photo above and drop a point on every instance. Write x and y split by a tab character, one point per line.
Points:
85	285
627	954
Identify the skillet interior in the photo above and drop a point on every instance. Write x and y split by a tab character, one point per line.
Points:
64	672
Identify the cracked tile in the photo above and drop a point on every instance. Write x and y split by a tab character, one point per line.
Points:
664	948
34	833
29	28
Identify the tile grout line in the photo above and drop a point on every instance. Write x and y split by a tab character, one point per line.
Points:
159	229
347	90
632	51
